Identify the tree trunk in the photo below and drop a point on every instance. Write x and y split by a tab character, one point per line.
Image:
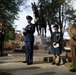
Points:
50	27
61	26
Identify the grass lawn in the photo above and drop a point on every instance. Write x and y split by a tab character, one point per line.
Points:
69	64
4	73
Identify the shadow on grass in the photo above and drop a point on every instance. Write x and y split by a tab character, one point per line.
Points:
46	73
20	69
4	73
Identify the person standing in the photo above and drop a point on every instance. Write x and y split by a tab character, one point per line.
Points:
2	34
72	34
29	40
56	49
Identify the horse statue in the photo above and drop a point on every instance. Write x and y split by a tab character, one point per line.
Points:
40	21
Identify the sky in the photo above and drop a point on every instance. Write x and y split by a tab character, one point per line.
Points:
21	22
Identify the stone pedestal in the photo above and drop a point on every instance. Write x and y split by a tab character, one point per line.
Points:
38	45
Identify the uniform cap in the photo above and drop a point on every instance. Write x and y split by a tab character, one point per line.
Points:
56	26
29	17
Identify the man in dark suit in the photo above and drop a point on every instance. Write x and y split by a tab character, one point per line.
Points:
56	49
2	34
29	40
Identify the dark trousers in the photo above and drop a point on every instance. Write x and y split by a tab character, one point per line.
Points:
29	51
1	47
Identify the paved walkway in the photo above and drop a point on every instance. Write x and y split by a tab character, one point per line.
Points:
13	64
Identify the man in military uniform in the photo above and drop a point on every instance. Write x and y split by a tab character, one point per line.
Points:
72	34
29	40
56	49
2	33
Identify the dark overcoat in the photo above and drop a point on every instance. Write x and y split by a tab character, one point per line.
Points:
56	37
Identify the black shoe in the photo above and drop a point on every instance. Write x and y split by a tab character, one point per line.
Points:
25	61
4	54
1	55
29	63
58	64
73	70
53	63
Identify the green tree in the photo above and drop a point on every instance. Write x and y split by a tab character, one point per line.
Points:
9	10
59	12
9	33
8	13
